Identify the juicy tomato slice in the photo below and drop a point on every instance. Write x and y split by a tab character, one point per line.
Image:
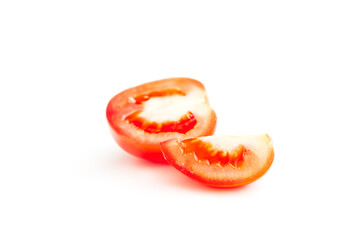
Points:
222	161
141	117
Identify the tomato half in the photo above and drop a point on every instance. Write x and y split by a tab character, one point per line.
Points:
222	161
141	117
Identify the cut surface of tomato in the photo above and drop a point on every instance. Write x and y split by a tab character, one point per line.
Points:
222	161
141	117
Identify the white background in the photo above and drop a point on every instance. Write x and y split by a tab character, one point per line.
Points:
289	69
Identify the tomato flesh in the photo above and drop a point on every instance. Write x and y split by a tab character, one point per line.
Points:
143	116
166	92
183	125
221	161
204	152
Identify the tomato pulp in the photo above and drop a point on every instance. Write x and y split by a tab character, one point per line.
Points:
141	117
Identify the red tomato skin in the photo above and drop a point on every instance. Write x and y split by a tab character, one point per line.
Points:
174	155
140	148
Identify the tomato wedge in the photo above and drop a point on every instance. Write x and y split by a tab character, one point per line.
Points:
222	161
141	117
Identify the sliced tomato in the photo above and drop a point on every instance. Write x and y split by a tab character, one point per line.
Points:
141	117
222	161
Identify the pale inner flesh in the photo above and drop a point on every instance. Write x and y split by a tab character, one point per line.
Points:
256	143
172	108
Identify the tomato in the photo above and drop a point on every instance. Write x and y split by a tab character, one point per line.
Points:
141	117
222	161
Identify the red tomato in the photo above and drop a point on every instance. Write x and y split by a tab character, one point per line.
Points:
222	161
141	117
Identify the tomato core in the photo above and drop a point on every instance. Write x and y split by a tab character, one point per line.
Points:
165	93
204	152
183	125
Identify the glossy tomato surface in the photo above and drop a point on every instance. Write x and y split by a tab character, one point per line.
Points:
141	117
222	161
